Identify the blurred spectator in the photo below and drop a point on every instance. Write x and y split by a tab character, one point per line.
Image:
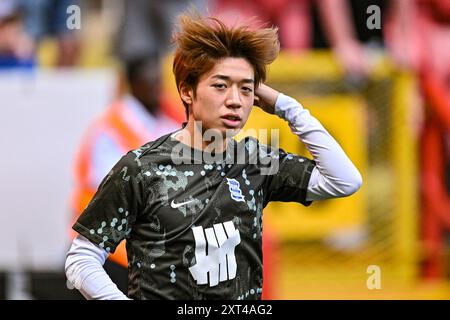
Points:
303	24
127	124
146	26
16	47
291	16
44	18
418	35
343	27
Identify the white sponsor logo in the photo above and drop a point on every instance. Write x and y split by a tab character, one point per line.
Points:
177	205
235	190
220	262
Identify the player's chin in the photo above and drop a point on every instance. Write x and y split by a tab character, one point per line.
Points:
229	132
230	129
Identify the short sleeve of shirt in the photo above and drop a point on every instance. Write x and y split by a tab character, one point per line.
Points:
289	181
109	217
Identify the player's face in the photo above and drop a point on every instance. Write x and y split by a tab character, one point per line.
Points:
224	96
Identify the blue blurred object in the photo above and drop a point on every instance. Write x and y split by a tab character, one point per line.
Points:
12	62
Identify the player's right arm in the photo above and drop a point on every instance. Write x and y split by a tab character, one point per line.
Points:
84	270
104	224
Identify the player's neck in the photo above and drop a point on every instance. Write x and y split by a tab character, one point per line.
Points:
194	136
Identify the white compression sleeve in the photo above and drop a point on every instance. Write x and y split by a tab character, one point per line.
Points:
334	175
84	269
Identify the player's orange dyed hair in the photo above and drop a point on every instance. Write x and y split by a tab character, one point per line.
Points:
202	41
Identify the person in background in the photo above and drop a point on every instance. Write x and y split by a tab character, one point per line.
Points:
45	18
16	47
144	28
418	39
292	17
342	25
305	24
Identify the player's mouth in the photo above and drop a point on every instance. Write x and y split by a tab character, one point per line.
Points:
231	120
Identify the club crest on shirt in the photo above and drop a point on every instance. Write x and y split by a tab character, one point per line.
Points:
235	190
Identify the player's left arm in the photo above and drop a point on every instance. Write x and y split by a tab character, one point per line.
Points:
334	174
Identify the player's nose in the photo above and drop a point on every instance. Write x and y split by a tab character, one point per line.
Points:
233	98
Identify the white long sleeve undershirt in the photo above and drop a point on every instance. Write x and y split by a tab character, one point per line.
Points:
84	269
334	176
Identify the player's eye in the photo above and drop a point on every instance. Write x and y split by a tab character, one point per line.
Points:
220	85
247	89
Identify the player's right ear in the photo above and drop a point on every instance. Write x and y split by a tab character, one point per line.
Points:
186	94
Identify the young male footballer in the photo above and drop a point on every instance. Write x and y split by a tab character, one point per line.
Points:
190	203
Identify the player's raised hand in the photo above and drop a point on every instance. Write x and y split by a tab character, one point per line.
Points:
265	98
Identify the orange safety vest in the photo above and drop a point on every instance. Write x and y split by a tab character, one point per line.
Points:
126	137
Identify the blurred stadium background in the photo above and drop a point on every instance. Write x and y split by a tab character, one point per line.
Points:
324	251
